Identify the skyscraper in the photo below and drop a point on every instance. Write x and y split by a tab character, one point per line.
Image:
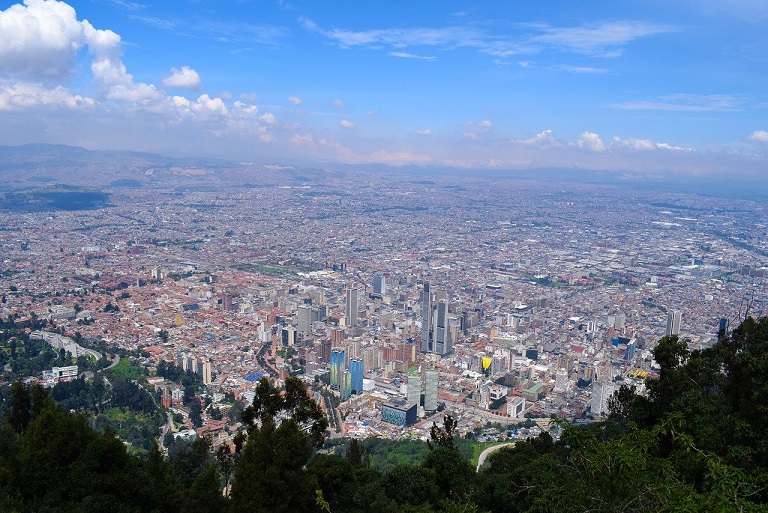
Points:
413	393
673	322
426	319
353	302
379	284
345	384
430	390
356	374
338	364
442	331
207	373
304	319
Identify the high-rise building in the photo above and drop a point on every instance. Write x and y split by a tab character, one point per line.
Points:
426	319
673	322
356	370
379	284
338	364
413	392
304	319
601	391
207	373
288	336
430	390
353	303
442	331
345	384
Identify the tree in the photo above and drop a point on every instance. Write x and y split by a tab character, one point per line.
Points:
620	404
271	474
442	436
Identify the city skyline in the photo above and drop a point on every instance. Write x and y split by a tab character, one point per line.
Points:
652	88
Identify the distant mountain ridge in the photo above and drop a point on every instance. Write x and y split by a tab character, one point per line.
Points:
36	165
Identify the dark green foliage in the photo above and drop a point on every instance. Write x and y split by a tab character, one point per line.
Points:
285	426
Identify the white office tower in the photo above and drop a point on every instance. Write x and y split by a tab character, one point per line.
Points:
561	381
620	321
600	394
304	319
353	303
430	390
673	322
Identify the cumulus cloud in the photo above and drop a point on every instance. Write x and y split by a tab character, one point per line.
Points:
346	124
268	118
545	139
759	136
339	104
667	146
40	39
295	100
590	141
19	96
633	144
184	77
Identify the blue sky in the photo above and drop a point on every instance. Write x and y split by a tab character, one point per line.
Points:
648	87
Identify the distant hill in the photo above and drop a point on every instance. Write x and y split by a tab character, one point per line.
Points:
46	165
36	166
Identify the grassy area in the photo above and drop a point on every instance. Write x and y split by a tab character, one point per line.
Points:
134	428
480	447
128	369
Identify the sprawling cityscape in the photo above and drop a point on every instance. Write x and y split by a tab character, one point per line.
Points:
399	296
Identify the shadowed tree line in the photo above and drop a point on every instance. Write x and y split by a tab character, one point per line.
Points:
695	442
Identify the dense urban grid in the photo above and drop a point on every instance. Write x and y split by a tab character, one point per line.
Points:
393	296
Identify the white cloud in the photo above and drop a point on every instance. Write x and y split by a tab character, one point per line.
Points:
295	100
406	55
39	39
667	146
245	109
633	144
545	139
475	130
339	104
425	131
251	97
302	139
346	124
268	118
759	136
590	141
583	69
603	39
184	77
685	103
19	95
